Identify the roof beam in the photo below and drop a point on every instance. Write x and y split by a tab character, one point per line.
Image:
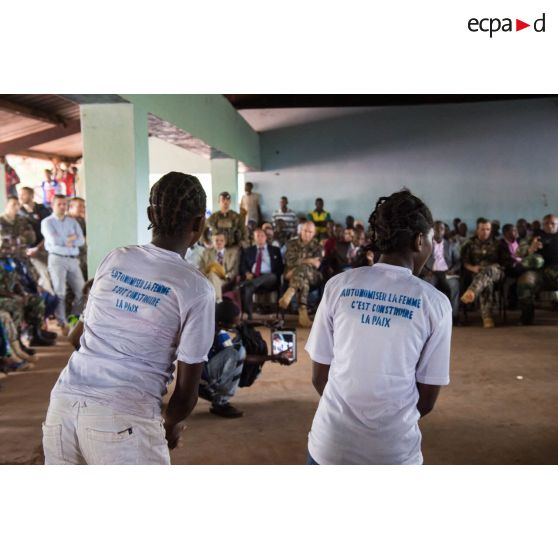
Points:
38	138
46	156
30	112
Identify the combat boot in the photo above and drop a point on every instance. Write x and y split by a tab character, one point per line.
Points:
285	300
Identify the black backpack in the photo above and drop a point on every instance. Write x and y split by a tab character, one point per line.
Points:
254	344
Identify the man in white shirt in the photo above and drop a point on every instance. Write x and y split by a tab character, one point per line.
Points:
380	346
250	205
63	239
147	309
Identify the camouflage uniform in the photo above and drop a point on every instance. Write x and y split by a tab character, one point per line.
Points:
21	234
536	279
304	276
485	254
231	225
30	309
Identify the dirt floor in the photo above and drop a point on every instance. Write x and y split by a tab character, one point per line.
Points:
485	416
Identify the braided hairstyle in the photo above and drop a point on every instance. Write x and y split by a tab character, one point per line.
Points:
397	220
174	201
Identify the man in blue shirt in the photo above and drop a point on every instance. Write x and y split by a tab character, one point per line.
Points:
63	237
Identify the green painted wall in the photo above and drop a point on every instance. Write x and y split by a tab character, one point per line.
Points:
210	118
116	170
224	178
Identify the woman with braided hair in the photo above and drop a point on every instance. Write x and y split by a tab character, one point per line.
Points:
380	346
147	308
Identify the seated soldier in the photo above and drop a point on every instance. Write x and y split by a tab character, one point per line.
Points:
480	260
21	305
303	259
221	373
220	265
261	267
443	266
531	282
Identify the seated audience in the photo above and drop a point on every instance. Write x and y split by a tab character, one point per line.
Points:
532	282
288	217
461	237
26	309
443	266
340	257
480	260
349	222
220	265
319	216
261	267
303	260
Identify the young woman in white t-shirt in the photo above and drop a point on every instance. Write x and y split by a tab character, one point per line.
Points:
380	346
147	309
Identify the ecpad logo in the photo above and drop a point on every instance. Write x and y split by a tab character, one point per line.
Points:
493	25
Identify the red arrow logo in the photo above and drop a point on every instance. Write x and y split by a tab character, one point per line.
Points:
519	25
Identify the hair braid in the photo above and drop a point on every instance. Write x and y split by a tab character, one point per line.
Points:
175	199
397	219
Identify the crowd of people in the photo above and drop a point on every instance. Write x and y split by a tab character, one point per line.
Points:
42	252
295	255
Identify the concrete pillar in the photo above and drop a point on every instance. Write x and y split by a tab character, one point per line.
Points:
224	177
2	188
116	174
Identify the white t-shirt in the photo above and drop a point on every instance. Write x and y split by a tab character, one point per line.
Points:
148	307
382	330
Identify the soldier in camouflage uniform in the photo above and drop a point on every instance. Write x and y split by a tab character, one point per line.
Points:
16	228
22	306
531	282
227	222
303	258
480	258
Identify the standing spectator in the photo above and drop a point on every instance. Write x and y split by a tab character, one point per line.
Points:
50	187
76	210
63	238
36	213
250	205
287	216
227	222
480	259
443	266
11	177
220	265
261	267
319	216
303	259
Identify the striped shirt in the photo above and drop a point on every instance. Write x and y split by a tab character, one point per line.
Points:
290	219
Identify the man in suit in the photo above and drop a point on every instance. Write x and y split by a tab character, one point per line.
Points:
261	267
443	266
220	265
